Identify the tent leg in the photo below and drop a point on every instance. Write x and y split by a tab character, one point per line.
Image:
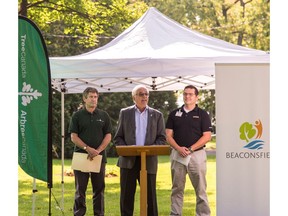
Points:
62	147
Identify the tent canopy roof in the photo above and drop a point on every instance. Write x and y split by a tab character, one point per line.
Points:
155	51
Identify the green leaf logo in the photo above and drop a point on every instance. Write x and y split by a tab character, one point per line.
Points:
247	131
28	94
252	134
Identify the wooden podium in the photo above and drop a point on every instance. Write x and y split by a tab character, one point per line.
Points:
143	151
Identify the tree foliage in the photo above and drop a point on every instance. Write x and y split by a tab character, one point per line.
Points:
84	23
207	101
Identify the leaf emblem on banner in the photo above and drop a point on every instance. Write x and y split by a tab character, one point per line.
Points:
250	133
28	94
247	131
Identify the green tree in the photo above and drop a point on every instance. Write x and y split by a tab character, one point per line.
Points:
71	103
76	26
207	102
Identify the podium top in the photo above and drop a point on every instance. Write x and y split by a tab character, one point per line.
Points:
133	150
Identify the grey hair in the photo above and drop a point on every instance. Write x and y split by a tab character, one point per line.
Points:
135	89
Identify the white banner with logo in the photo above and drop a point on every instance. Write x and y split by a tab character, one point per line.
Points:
243	139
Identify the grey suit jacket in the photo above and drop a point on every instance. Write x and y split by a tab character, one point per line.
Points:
126	135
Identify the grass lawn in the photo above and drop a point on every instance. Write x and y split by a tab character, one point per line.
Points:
112	191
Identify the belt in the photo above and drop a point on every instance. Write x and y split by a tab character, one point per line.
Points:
199	149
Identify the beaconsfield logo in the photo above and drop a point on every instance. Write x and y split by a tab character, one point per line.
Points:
28	94
251	134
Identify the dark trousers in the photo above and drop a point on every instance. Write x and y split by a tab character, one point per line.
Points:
98	186
128	183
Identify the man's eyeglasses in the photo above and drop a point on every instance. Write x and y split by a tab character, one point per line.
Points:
188	94
143	94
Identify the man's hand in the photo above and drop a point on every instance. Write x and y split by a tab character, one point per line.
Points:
183	151
92	153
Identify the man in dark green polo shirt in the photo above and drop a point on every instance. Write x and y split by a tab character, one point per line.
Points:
90	130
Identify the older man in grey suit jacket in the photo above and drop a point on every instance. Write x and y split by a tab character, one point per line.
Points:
139	125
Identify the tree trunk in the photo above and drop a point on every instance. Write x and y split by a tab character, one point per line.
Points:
23	8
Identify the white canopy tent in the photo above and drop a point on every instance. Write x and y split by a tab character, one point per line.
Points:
155	51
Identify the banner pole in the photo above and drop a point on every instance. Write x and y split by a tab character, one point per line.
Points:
49	212
34	196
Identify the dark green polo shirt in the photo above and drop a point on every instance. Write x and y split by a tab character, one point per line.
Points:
90	127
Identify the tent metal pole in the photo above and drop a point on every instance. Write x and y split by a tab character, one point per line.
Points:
62	147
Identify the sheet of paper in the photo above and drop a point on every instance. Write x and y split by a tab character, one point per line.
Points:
177	157
80	162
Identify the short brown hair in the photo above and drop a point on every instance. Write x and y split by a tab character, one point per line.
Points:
192	87
88	90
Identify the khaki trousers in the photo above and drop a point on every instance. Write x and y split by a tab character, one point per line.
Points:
196	170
